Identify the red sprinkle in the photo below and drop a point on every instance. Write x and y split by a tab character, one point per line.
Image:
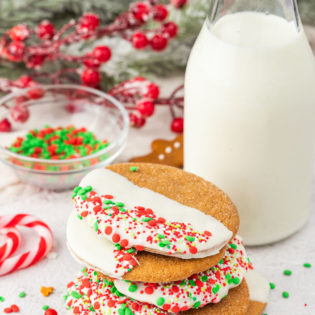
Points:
116	238
109	196
193	250
148	290
15	308
51	311
84	214
108	230
8	310
124	243
111	303
139	248
161	220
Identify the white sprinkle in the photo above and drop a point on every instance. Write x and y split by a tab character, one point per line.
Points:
176	144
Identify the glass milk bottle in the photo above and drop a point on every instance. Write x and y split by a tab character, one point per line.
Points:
249	113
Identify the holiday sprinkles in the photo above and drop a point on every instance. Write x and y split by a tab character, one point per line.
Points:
198	290
58	143
137	226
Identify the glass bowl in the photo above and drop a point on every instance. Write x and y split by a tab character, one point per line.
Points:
63	105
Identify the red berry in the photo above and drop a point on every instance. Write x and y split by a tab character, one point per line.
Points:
5	125
90	77
152	91
177	125
88	22
102	53
146	108
139	40
20	113
35	61
179	3
35	93
136	120
15	51
50	311
90	62
160	12
170	28
158	42
23	82
45	30
20	32
140	11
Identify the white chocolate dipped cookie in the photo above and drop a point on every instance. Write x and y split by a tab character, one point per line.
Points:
131	207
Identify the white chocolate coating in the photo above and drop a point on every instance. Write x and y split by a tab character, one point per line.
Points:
106	182
258	286
89	248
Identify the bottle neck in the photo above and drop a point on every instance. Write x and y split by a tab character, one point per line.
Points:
286	9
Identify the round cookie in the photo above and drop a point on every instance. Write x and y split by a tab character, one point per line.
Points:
189	190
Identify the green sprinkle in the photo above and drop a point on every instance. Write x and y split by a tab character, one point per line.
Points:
307	265
189	238
160	301
130	250
236	280
96	226
204	278
197	304
133	168
285	294
22	294
128	311
118	246
146	219
272	285
88	188
45	307
133	288
119	204
79	217
287	272
192	283
108	202
234	246
76	295
1	299
216	289
161	236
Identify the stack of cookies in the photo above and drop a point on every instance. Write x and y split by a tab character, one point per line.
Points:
154	239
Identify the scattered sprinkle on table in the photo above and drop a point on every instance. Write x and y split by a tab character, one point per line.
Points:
58	143
272	285
12	309
45	307
22	294
133	168
46	291
1	299
287	272
285	294
307	265
51	311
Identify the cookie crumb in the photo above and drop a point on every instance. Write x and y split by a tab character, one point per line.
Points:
287	272
46	291
307	265
285	294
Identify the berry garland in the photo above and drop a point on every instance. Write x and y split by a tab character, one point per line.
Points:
145	25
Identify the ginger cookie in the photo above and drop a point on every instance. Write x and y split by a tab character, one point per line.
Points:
256	308
164	152
130	212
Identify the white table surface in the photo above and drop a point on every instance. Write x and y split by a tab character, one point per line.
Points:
54	208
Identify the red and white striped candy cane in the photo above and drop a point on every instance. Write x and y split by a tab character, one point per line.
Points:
11	244
32	256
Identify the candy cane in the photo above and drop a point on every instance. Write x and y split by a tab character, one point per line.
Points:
11	244
30	257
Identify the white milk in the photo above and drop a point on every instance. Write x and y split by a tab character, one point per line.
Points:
249	120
